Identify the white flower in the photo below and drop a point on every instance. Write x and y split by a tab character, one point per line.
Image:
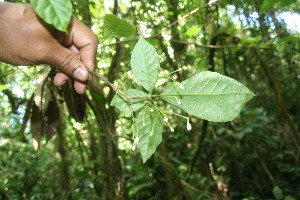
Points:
135	143
179	101
166	119
136	140
172	129
133	147
188	126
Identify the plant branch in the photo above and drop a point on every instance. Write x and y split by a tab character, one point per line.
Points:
109	83
191	12
129	98
160	37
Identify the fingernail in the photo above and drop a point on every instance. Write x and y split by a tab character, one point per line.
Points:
80	74
61	83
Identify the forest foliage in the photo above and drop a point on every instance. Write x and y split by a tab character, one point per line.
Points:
165	116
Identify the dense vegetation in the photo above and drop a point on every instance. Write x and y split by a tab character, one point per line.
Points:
83	148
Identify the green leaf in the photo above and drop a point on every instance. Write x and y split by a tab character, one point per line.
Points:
193	31
115	27
210	96
55	12
267	4
120	102
149	130
285	3
254	40
289	198
100	98
145	64
139	188
3	87
290	38
277	192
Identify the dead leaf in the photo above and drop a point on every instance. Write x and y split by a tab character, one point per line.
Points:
36	125
53	120
40	85
76	103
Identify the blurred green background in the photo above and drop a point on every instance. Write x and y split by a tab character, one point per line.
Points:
85	146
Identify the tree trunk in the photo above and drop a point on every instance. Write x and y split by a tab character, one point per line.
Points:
64	162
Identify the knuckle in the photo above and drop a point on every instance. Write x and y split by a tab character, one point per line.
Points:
66	64
94	40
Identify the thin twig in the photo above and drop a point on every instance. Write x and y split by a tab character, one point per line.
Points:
160	37
157	36
129	98
110	84
190	13
204	193
204	45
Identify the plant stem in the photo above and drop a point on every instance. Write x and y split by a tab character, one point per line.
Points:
110	84
129	98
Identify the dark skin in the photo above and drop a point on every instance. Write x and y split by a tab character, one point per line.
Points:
26	40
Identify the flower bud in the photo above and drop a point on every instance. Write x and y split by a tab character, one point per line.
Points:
172	129
135	143
166	119
188	126
136	140
133	148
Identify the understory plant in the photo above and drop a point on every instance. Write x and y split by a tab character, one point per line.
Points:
207	95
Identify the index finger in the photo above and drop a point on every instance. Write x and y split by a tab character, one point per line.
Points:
84	40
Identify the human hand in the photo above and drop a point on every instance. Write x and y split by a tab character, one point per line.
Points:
25	39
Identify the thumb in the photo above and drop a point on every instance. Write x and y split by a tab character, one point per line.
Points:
67	62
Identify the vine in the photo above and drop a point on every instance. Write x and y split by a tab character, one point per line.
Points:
207	95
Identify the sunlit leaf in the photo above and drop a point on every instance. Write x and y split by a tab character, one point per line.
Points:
149	130
193	31
126	107
210	96
3	87
145	64
55	12
115	27
251	40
